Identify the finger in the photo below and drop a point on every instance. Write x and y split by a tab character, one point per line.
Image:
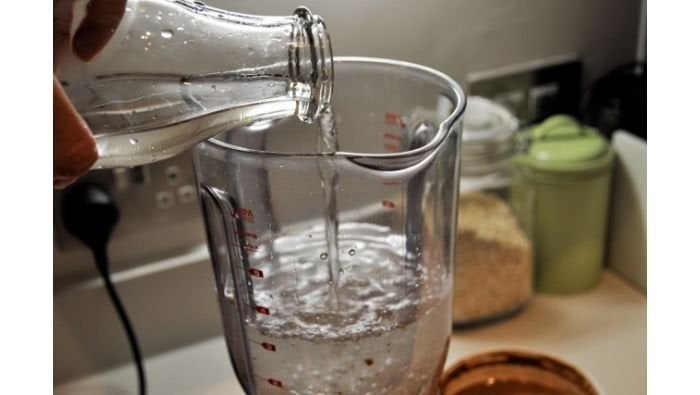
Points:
62	19
74	148
101	20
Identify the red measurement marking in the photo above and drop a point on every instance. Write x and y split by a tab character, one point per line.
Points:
274	382
388	204
250	247
256	272
262	310
248	234
244	214
391	147
391	118
268	346
392	136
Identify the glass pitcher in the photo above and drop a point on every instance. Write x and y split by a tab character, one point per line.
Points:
363	309
176	72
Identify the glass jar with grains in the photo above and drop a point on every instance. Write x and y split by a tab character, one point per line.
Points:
493	256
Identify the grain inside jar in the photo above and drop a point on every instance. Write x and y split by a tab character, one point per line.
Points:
493	261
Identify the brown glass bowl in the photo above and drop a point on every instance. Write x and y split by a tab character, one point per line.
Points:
514	373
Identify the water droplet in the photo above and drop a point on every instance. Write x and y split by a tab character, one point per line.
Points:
127	9
324	256
351	252
166	33
133	141
180	29
159	17
185	42
186	83
199	5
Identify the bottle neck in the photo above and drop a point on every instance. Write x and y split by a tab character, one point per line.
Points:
311	64
302	37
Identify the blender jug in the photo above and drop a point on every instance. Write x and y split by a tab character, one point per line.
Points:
334	270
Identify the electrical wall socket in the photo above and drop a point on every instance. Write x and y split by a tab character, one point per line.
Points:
532	90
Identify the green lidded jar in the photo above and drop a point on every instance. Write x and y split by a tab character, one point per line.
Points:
561	193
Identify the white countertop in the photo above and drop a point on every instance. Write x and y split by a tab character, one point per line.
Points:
602	331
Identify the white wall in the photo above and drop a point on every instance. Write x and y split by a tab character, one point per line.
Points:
472	35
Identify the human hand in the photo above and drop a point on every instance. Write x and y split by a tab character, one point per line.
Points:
74	149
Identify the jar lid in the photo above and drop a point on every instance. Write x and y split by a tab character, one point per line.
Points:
514	372
488	129
562	145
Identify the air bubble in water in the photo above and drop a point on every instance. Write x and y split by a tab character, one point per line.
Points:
199	5
180	28
324	256
351	252
133	141
167	33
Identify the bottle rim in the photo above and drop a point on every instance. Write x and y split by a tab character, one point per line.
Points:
313	31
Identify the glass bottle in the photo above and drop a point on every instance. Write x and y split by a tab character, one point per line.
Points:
493	256
175	73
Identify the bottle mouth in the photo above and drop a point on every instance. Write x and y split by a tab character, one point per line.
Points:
316	73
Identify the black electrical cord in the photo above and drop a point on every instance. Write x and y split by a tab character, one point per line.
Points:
90	214
102	265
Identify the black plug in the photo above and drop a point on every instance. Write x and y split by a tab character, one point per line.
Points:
90	214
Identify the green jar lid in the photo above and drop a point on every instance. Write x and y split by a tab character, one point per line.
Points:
561	146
